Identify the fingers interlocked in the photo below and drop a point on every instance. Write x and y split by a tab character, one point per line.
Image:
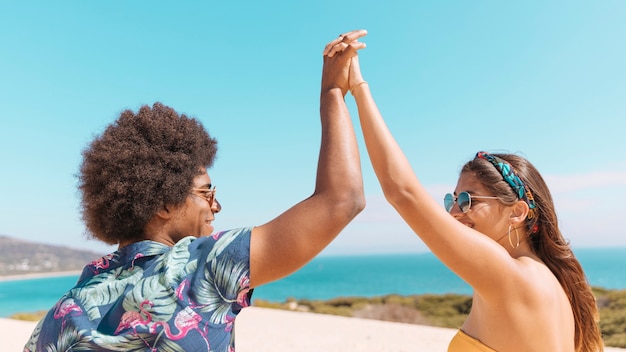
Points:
342	42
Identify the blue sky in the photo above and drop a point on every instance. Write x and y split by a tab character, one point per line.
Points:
543	79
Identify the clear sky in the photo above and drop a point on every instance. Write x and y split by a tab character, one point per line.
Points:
543	79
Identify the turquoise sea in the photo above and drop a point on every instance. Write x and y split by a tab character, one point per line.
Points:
335	276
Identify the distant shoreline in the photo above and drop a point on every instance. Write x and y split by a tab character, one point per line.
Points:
30	276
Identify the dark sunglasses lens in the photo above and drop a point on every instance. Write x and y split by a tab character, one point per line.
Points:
448	202
465	202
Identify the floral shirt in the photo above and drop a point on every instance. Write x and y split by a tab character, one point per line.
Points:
151	297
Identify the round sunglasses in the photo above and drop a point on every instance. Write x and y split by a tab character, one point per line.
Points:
209	195
464	200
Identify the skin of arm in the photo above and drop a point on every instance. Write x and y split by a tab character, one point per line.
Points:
518	303
462	249
289	241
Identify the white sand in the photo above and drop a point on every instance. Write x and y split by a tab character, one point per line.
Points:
31	276
259	329
265	330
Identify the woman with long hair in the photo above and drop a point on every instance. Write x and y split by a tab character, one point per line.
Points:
499	232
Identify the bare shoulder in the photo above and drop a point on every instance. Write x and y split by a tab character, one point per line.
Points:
541	285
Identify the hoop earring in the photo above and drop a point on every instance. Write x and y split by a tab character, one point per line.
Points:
516	235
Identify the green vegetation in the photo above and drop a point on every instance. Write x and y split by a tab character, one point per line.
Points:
34	316
612	305
448	310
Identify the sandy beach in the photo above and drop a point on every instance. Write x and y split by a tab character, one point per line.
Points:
265	330
39	275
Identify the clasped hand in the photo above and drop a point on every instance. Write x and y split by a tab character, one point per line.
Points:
341	66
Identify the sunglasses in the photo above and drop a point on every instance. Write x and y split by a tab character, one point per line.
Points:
464	200
209	195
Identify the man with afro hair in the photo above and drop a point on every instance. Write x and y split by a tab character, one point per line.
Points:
174	284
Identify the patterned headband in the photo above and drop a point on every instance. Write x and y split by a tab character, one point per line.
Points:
512	179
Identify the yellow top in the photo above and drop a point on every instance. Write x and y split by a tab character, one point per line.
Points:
462	342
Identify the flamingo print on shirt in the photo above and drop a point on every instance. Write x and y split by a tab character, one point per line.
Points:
131	320
185	321
149	296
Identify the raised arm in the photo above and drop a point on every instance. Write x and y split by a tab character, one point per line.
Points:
465	251
286	243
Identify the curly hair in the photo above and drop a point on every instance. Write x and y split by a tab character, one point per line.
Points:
139	164
547	242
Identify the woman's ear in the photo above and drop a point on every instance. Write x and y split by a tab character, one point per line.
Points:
519	212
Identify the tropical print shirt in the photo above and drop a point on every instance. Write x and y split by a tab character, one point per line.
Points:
151	297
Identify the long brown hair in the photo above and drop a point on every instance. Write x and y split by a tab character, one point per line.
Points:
547	242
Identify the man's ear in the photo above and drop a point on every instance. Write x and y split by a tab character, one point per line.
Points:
519	212
165	212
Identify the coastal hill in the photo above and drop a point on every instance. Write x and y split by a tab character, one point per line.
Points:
18	257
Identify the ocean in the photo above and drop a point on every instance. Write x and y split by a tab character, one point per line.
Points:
327	277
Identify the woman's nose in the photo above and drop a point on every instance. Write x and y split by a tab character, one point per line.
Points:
456	211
